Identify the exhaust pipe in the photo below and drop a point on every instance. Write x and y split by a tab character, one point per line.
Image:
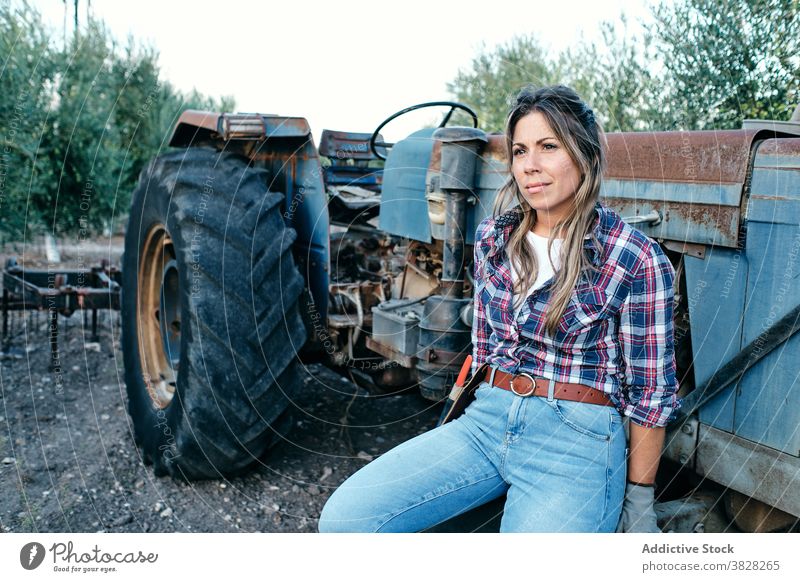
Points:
444	338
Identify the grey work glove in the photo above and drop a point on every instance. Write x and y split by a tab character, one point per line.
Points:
638	511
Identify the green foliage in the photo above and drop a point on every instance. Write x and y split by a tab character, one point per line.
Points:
77	124
79	152
728	60
26	74
614	78
493	79
701	64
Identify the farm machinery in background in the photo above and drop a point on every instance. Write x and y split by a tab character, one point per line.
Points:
250	250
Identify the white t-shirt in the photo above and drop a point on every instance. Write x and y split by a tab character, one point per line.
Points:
547	266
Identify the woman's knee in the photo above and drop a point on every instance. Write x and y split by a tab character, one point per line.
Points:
374	498
344	512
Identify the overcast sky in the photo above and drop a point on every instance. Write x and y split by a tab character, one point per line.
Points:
342	65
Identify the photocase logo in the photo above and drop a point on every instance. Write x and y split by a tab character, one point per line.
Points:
31	555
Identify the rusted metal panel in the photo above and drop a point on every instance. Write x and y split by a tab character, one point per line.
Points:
693	180
684	222
767	399
785	128
243	127
286	127
735	294
346	145
491	178
201	126
717	157
778	154
491	172
750	468
693	250
195	126
201	119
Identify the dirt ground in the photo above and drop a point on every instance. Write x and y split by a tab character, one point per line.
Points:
68	462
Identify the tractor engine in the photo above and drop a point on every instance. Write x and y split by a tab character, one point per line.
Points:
426	326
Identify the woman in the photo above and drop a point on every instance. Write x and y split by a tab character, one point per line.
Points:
573	313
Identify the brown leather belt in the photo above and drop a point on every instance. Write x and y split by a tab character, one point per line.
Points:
526	385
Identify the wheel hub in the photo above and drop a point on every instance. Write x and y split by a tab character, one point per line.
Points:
159	316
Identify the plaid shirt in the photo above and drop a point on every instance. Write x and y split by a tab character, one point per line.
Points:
616	334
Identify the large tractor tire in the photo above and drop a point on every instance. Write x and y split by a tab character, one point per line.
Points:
210	318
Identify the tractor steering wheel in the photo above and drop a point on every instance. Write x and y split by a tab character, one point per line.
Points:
374	144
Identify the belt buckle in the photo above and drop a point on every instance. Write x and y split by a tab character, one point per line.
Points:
527	392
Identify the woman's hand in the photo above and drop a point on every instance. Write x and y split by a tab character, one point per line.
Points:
638	511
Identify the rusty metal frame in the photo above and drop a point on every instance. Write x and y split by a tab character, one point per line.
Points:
61	291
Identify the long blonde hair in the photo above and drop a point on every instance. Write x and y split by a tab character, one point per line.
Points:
574	125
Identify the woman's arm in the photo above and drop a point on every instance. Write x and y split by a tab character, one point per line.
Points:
645	453
646	338
647	346
638	508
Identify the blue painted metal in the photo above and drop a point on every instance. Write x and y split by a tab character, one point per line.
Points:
491	178
695	180
768	399
291	156
404	209
715	289
697	213
349	176
683	192
734	295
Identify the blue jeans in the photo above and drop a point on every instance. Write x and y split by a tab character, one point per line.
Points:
562	465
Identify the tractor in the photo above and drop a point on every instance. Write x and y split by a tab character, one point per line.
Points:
250	250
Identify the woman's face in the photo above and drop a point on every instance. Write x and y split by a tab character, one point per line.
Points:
543	169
